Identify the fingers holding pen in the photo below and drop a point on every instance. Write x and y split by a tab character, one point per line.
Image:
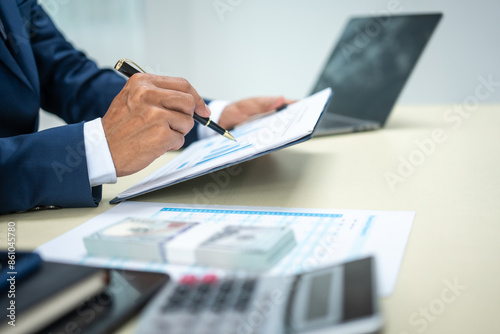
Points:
182	85
150	116
171	108
175	96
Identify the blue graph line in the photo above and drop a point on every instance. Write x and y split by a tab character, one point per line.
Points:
224	151
184	164
250	212
359	243
215	156
224	148
242	132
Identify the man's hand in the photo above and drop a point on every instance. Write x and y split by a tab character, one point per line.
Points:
239	112
150	116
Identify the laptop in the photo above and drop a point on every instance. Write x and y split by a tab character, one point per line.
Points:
368	69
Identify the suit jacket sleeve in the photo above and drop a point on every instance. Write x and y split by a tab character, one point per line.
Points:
45	168
50	167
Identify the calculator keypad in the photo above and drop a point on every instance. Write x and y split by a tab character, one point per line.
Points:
201	305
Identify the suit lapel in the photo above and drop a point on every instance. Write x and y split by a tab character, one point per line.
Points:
7	58
23	65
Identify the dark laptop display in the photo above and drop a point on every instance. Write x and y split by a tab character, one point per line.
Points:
369	67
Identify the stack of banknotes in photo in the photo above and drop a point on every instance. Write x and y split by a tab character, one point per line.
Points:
228	246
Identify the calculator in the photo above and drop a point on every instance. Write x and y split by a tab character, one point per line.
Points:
336	299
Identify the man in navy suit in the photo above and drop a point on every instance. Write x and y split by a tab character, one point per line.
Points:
142	118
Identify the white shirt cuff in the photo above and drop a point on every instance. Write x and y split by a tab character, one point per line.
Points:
216	106
99	161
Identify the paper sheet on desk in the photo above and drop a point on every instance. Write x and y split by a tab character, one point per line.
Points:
323	237
290	126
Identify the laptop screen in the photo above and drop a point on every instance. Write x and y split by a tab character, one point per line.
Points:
371	63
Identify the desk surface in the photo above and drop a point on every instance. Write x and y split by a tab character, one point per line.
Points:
429	159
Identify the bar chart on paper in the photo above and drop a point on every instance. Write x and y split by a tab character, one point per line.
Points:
323	237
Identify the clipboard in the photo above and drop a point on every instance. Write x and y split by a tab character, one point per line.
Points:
292	125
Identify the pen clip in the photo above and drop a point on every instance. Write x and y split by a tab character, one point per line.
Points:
128	70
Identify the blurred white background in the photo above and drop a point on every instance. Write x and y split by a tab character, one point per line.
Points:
232	49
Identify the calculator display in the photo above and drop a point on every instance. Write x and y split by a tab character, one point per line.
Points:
334	296
358	290
319	296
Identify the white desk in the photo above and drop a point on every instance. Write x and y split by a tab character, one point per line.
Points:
455	190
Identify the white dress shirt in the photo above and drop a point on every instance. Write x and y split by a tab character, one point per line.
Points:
100	164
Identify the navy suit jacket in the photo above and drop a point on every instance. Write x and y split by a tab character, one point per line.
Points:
42	70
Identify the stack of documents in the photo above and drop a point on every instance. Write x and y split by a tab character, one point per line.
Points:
253	248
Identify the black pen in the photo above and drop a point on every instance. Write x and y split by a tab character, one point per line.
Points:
126	69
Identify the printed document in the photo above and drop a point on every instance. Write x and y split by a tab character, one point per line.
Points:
323	237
